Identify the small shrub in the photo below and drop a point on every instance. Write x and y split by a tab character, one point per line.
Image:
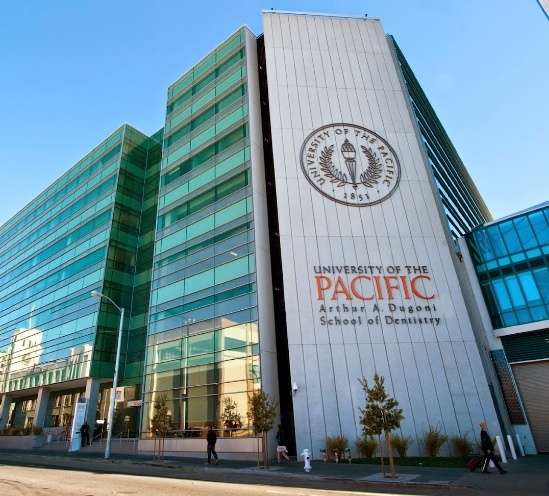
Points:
13	431
26	431
338	443
366	447
401	444
433	440
37	430
462	445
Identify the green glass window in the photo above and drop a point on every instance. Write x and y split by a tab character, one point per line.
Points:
221	69
205	155
206	135
57	246
208	198
206	98
202	201
204	244
203	302
91	196
206	64
60	192
206	177
205	279
205	116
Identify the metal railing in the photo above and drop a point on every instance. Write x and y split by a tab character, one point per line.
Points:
122	437
201	432
58	439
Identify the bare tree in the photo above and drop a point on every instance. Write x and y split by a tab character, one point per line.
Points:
380	415
160	424
263	411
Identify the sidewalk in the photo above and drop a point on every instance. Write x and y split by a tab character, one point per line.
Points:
527	475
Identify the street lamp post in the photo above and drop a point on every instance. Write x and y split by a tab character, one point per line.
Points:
97	294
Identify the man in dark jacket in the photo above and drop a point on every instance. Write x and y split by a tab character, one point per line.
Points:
211	439
488	448
85	433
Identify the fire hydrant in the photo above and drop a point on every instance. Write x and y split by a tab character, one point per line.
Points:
307	459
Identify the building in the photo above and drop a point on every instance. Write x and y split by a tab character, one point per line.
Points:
291	228
544	4
508	261
92	229
211	326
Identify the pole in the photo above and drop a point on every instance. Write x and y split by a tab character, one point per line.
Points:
388	443
114	383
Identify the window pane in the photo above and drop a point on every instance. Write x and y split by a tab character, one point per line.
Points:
529	288
502	297
510	236
517	298
525	233
541	227
201	201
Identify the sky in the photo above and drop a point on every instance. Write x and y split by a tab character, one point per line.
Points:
73	71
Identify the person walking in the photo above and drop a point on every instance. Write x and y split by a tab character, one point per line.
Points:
211	438
281	442
85	433
488	449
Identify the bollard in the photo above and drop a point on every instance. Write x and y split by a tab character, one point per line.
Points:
511	446
307	459
324	455
521	448
348	455
501	449
336	455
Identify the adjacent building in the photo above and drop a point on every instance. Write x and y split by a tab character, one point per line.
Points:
292	228
508	261
544	4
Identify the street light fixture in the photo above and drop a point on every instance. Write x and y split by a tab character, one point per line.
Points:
97	294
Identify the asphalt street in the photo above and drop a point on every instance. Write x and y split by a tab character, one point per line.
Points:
527	475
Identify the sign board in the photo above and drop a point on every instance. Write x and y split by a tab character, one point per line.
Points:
77	421
135	403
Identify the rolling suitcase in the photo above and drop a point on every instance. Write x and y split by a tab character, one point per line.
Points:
473	463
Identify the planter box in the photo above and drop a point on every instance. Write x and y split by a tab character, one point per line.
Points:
17	442
233	448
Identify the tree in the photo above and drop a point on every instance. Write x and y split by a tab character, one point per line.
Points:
160	424
263	411
230	417
380	415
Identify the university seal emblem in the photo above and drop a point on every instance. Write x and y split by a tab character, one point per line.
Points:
350	164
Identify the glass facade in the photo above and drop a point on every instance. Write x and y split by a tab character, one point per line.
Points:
461	201
511	259
511	263
203	344
88	231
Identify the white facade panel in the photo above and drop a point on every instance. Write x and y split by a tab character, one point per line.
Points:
369	280
266	325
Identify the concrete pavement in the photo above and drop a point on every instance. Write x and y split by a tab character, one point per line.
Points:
527	475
